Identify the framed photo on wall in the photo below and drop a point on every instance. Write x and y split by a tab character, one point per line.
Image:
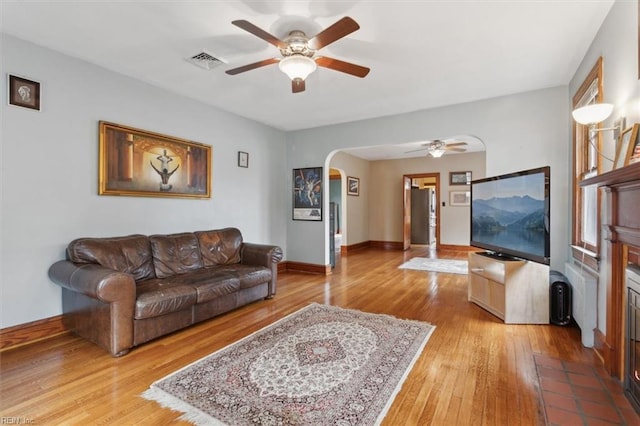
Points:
459	198
635	152
145	164
626	146
24	93
459	178
353	185
307	194
243	159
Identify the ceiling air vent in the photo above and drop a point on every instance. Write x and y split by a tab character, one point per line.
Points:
206	60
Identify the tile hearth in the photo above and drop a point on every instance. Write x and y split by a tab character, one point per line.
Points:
580	394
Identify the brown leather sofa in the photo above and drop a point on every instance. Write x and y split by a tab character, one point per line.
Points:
123	291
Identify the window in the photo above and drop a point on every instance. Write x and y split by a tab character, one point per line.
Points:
586	163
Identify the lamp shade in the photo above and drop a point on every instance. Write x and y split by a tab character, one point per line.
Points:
592	114
297	66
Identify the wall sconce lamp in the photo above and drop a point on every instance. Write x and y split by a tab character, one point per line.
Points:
591	115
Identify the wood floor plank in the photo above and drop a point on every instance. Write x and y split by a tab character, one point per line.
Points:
475	370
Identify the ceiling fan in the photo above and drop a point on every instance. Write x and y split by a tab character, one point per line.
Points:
299	52
437	148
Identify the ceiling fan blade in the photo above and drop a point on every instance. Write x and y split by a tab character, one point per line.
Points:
457	144
455	149
343	27
259	32
252	66
297	85
416	150
346	67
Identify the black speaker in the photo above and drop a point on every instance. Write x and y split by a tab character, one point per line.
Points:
559	299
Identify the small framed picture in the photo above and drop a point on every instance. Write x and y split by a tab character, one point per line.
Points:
353	185
626	146
24	93
459	178
459	198
243	159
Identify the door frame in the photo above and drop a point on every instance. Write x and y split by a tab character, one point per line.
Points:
406	207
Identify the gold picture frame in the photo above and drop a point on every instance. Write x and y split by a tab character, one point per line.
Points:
635	151
140	163
626	146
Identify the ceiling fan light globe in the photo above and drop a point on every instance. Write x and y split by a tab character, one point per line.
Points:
297	66
437	153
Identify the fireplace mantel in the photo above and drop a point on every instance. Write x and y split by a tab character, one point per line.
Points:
622	175
622	234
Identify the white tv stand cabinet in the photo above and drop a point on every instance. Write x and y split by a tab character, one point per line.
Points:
516	291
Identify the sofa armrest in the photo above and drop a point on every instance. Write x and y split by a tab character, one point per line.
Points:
263	255
98	303
98	282
260	254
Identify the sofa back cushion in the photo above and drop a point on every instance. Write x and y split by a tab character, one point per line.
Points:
175	254
220	247
130	254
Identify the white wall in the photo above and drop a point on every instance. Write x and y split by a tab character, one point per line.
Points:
386	205
520	131
49	163
356	208
49	177
617	43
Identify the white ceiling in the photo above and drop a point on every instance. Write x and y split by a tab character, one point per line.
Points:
422	54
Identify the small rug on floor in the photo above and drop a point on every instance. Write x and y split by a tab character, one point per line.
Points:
320	365
437	265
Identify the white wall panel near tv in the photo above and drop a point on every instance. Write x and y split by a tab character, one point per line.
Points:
520	131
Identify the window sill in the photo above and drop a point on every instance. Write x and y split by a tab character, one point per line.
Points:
587	257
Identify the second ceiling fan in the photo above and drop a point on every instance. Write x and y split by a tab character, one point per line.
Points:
299	52
437	148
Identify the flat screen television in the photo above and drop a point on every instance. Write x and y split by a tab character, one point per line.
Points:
510	215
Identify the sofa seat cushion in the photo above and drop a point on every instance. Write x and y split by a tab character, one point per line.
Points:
157	297
210	283
250	276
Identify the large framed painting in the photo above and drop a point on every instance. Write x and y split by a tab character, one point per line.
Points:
307	194
141	163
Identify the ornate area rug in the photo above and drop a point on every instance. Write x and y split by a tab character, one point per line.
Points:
321	365
437	265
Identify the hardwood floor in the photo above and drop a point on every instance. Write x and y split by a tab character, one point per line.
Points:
475	370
